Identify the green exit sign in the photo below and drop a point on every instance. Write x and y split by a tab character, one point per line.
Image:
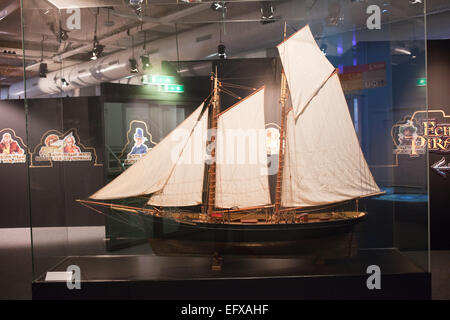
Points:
421	82
158	80
171	88
163	83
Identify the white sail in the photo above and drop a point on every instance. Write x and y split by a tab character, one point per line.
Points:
185	185
324	163
152	172
305	66
241	179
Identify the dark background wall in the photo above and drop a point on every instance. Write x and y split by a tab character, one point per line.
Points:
53	190
439	98
14	180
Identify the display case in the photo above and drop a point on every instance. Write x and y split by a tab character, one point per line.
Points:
130	109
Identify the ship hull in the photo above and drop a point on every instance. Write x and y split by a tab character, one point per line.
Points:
331	239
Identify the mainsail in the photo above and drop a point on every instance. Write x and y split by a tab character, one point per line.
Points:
242	179
154	171
324	163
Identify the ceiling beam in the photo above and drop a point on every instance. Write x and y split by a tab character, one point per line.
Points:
66	4
29	45
10	8
146	26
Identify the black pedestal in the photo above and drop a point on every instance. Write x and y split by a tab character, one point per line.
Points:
153	277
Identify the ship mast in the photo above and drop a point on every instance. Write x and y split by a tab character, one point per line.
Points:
215	105
283	99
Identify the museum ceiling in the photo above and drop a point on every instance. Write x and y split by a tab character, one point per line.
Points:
119	24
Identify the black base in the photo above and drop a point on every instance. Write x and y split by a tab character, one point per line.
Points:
188	278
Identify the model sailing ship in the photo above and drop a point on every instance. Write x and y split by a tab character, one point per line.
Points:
321	165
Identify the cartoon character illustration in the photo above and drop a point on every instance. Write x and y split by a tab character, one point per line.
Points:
70	145
407	134
52	145
9	146
139	142
52	141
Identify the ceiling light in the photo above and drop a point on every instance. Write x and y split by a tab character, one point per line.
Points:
136	5
267	12
145	60
221	51
133	66
62	35
64	82
219	5
43	70
97	50
415	53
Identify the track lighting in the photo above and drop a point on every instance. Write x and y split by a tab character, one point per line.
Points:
64	82
267	12
414	53
62	35
136	5
97	50
219	5
221	51
43	70
133	66
145	60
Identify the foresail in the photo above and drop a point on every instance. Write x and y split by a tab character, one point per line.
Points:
324	163
185	185
151	173
242	179
305	66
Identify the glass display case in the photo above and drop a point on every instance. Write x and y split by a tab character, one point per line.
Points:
133	110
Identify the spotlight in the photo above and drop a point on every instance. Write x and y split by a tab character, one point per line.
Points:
221	51
136	5
43	70
145	60
218	5
96	51
267	12
133	66
64	82
414	53
62	35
